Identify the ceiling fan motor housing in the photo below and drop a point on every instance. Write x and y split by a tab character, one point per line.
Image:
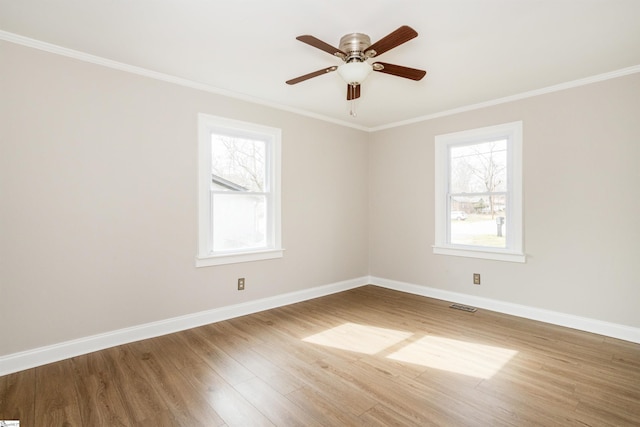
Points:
354	45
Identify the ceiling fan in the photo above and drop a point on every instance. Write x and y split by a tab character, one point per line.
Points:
355	49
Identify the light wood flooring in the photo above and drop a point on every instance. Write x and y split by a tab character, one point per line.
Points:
364	357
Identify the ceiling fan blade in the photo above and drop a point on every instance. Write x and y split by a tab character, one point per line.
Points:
319	44
353	92
311	75
399	70
396	38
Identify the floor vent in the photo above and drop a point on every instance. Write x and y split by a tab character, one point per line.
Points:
463	308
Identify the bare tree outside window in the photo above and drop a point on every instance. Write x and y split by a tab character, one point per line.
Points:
239	185
240	161
478	186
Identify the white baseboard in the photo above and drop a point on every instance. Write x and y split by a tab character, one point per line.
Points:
608	329
41	356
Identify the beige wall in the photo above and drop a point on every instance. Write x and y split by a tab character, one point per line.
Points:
581	204
98	192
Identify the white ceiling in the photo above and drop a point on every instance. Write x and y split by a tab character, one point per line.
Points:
474	51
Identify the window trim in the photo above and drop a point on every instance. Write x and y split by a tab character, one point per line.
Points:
514	251
207	124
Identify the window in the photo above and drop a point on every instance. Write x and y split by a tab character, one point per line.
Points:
239	191
479	193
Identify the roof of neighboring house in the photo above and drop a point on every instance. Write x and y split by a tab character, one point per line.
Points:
227	184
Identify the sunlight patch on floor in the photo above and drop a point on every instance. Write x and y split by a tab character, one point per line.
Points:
446	354
460	357
358	338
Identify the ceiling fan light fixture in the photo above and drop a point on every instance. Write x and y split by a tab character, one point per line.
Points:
354	72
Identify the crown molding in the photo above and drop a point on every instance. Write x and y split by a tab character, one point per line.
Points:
98	60
549	89
82	56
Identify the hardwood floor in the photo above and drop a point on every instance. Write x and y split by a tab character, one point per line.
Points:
369	356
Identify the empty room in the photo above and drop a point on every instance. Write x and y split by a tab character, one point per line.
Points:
252	213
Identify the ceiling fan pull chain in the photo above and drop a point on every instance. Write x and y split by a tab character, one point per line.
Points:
352	110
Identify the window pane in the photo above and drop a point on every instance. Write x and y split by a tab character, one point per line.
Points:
479	168
239	222
238	164
478	221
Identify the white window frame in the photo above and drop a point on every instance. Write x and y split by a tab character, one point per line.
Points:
514	250
208	125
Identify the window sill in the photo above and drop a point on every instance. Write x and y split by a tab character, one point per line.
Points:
208	261
480	253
